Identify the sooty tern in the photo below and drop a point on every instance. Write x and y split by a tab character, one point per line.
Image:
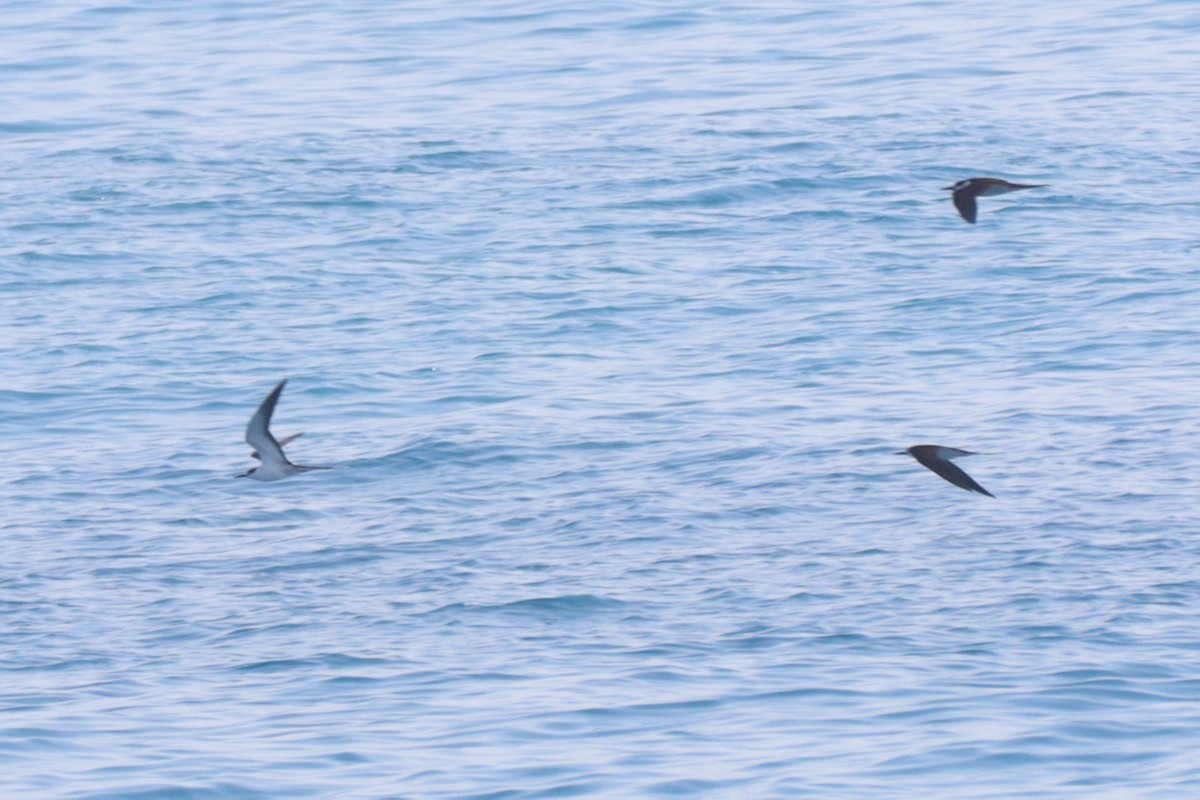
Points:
937	459
275	465
965	192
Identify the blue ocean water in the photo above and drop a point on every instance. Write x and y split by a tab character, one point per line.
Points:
610	318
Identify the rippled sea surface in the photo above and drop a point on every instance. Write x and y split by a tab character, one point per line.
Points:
610	318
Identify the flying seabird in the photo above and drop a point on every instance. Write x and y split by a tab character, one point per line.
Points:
965	192
275	465
937	458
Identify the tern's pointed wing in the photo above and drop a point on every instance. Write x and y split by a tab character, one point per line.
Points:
258	433
285	440
282	443
964	201
952	473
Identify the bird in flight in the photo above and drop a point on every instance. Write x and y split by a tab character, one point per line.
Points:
965	192
275	465
937	459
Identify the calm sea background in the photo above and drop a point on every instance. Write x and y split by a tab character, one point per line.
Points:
610	318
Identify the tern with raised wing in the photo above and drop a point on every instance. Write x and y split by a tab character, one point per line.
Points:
275	465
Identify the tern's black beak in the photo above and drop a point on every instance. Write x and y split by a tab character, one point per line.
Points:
900	453
947	188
